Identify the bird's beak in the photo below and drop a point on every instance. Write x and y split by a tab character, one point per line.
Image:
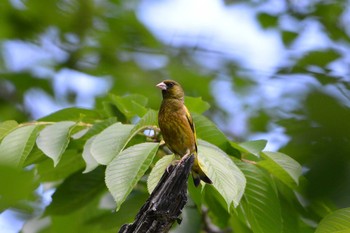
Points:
161	86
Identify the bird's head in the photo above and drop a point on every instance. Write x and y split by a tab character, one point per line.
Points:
171	90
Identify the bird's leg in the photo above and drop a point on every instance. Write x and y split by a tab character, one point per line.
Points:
173	163
176	162
188	153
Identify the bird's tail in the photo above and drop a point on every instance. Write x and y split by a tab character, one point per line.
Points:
198	174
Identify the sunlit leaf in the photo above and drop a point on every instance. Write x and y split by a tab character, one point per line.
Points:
98	127
90	161
336	222
16	146
260	203
130	105
196	104
110	142
254	147
282	167
72	114
54	139
6	127
127	168
208	131
157	171
226	176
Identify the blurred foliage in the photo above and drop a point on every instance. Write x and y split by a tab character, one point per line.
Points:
107	40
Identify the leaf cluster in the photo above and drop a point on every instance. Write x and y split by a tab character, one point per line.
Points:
90	155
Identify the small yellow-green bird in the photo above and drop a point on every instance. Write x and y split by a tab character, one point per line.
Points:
177	128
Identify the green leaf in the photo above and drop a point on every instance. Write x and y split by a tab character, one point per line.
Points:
15	185
191	221
282	167
130	105
16	146
127	168
114	220
72	114
227	178
110	142
336	222
99	127
74	221
90	161
319	58
217	206
254	147
54	139
157	171
150	119
207	130
76	191
267	20
196	104
288	37
260	203
6	127
71	161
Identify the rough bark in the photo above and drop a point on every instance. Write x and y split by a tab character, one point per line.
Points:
166	202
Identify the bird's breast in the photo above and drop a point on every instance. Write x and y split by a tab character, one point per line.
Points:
176	130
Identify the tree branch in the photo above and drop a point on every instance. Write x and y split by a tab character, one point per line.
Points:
166	202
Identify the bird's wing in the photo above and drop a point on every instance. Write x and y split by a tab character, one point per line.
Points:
190	121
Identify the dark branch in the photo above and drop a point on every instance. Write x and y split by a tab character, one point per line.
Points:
166	202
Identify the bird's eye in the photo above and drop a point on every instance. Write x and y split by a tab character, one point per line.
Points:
170	85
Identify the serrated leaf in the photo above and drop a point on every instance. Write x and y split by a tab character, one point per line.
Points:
254	147
110	142
72	114
127	168
336	222
99	127
79	134
282	167
130	105
54	139
196	104
90	161
16	146
76	191
158	171
6	127
227	178
260	203
207	130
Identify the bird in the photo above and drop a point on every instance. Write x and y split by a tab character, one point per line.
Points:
177	127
